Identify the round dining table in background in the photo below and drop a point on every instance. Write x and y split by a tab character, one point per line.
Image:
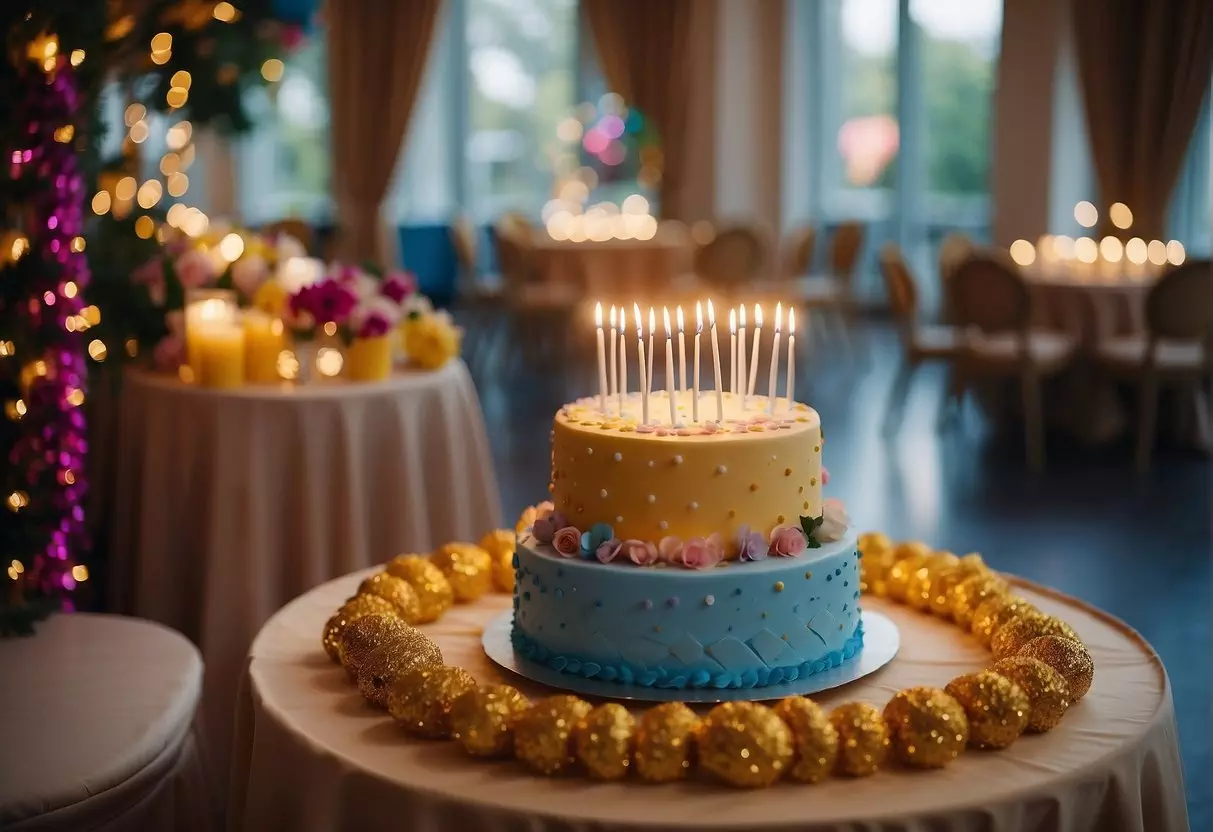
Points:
1092	306
231	503
311	755
615	268
98	729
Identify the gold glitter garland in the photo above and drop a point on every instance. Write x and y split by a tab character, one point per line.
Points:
1042	669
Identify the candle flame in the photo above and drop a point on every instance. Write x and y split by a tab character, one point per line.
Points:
791	322
732	321
741	318
711	314
758	315
598	315
699	316
680	319
612	316
778	315
639	322
665	313
652	321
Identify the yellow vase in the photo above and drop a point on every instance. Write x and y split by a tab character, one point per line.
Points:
369	359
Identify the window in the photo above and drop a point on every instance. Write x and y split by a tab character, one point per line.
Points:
1190	220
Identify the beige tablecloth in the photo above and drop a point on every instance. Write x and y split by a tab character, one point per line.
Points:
615	269
230	504
312	756
96	729
1091	308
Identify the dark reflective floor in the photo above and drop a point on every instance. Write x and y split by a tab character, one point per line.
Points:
1138	547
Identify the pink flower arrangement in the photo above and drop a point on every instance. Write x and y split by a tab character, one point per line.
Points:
194	269
547	524
787	541
702	552
327	301
567	541
374	317
640	552
398	285
249	272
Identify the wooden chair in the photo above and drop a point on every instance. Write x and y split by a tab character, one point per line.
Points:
733	257
293	227
920	342
955	247
798	252
832	296
1176	349
993	310
539	311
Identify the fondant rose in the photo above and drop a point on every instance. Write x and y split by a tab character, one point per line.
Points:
787	541
640	552
834	521
546	526
609	550
598	534
751	545
702	553
670	549
825	475
567	541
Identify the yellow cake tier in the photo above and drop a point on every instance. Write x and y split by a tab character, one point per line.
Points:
648	481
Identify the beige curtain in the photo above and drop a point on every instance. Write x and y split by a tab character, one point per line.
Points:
1145	66
644	48
377	57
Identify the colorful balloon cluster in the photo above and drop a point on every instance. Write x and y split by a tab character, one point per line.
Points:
1041	668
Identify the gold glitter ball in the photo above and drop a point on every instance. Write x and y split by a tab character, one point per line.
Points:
993	613
871	543
927	727
434	593
385	663
1068	657
918	587
814	739
971	592
482	719
874	571
364	635
421	699
351	611
468	567
997	708
665	742
396	591
901	572
1023	628
863	738
603	741
1046	689
944	583
500	546
745	744
543	734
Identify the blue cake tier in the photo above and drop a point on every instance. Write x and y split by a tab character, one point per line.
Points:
741	625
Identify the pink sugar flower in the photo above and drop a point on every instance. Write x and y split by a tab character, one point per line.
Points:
547	524
567	541
670	549
608	551
825	475
702	553
641	552
751	545
787	541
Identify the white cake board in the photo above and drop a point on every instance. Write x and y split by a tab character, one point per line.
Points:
881	640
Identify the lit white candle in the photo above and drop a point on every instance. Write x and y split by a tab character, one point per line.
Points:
622	390
752	376
669	366
652	329
602	375
716	363
695	372
644	384
772	378
741	365
613	374
682	354
791	357
733	351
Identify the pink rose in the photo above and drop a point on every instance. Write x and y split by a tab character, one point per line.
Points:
608	551
194	269
640	552
787	541
567	541
834	521
702	553
825	475
547	524
670	549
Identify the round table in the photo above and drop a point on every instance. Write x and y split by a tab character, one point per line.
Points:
97	729
311	755
1091	307
615	268
231	503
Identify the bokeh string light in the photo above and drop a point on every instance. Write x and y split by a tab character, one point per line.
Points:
45	482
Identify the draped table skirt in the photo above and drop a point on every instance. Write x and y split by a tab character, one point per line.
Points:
231	503
619	270
311	755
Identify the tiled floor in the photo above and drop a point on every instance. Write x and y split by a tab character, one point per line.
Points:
1138	547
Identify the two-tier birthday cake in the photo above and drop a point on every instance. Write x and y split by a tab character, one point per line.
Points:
690	553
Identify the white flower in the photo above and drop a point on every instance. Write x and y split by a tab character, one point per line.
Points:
417	303
374	307
287	247
296	272
248	273
364	287
834	522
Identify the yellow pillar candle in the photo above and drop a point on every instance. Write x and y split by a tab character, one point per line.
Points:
264	340
220	351
369	359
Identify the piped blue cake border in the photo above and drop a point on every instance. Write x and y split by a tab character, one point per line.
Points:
628	674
